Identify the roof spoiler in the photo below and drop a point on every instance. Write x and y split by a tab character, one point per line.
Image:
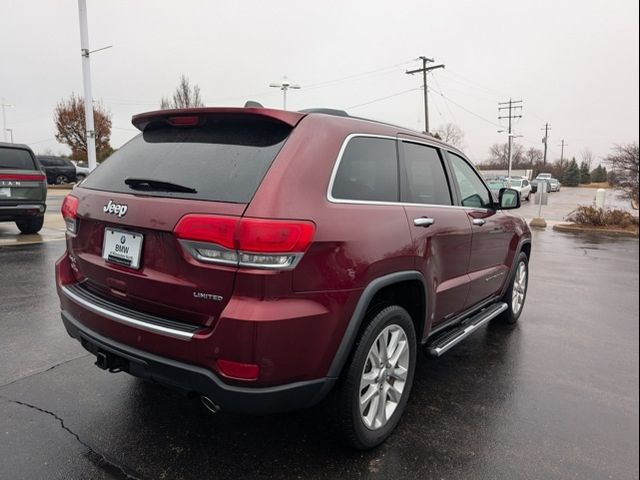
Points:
191	116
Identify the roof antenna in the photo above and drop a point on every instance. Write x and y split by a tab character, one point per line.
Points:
252	104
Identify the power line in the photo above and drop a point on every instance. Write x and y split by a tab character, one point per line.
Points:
356	75
383	98
464	108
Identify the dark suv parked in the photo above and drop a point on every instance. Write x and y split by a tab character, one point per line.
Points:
23	188
59	170
268	259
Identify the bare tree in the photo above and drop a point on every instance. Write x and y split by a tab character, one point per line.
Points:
533	155
70	127
185	96
626	168
499	156
587	157
451	134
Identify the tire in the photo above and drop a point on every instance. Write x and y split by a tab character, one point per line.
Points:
80	177
32	225
518	285
361	378
62	179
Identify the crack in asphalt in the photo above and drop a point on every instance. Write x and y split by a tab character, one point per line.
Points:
43	371
97	458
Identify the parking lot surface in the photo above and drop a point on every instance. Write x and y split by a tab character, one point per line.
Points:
556	396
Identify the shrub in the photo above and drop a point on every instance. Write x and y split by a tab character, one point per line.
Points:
600	217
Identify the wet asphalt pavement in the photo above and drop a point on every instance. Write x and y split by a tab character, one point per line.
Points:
554	397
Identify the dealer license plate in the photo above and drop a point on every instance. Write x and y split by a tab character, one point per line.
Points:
122	248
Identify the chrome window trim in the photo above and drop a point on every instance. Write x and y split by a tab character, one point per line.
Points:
345	201
133	322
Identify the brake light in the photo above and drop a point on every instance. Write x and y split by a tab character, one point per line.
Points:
245	242
206	228
184	121
69	211
23	177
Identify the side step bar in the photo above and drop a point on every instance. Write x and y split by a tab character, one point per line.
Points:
448	339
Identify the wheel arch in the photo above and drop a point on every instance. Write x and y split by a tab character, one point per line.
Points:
378	292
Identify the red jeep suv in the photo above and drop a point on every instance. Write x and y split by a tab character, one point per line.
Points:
267	259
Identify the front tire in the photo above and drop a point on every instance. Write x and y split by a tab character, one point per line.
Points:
32	225
61	180
516	294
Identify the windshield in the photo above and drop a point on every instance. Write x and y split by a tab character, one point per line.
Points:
515	183
495	184
544	175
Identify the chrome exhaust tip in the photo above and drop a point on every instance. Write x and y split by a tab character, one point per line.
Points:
209	404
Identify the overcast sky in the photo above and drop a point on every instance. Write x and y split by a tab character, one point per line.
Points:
574	63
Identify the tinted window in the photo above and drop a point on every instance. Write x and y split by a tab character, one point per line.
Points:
16	159
223	160
472	190
425	179
368	171
46	161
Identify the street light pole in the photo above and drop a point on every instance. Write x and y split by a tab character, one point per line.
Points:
10	130
86	78
4	119
285	85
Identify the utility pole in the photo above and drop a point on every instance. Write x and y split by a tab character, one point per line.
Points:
562	145
547	127
10	130
86	78
424	71
4	119
285	85
512	106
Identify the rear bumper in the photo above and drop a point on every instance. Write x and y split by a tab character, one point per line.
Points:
201	380
22	210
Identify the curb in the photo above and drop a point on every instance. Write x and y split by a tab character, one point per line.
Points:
574	228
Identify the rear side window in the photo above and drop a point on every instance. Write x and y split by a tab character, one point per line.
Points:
426	181
224	160
17	159
368	171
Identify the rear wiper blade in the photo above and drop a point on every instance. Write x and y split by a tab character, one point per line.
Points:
151	185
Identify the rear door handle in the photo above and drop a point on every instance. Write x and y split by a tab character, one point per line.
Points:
478	221
423	222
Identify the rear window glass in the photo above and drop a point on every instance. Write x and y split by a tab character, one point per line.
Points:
224	160
368	171
17	159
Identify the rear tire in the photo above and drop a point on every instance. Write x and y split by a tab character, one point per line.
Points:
516	294
380	369
33	225
62	179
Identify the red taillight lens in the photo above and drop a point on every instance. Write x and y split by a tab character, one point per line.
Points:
69	211
23	177
69	207
274	236
248	242
184	121
208	228
237	370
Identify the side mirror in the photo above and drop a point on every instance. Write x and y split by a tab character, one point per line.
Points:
509	199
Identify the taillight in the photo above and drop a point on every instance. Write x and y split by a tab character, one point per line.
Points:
23	177
69	211
246	242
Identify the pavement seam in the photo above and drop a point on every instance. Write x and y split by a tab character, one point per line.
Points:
101	459
43	371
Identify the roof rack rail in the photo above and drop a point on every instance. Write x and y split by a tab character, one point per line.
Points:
326	111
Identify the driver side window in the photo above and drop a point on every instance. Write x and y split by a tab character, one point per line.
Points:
473	192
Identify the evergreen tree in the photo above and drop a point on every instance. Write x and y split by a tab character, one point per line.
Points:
585	176
571	177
